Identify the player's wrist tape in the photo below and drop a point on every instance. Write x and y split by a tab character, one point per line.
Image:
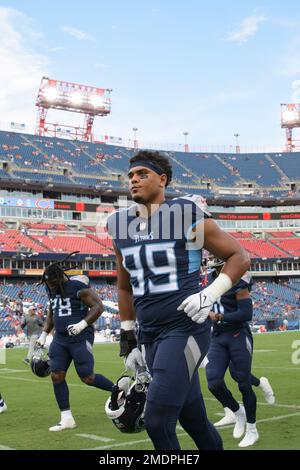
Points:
127	342
127	325
220	285
43	337
82	324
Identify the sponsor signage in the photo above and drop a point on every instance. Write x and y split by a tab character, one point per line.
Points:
28	202
33	272
103	273
5	272
257	216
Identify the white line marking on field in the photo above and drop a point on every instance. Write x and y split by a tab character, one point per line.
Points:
47	382
265	420
126	444
120	444
96	438
278	405
277	367
264	350
6	448
277	418
42	381
10	371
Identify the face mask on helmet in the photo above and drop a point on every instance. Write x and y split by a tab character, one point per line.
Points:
126	405
40	364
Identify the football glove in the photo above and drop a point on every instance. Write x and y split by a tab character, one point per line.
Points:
76	328
197	306
127	342
134	361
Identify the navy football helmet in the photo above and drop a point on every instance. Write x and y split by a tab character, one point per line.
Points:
126	405
40	364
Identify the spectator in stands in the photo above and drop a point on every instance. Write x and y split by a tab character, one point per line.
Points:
34	329
21	294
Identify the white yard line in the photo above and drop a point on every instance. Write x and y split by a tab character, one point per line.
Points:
11	371
295	368
93	437
47	382
126	444
42	381
278	405
264	350
6	448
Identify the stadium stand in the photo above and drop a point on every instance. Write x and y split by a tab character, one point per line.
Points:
61	161
58	162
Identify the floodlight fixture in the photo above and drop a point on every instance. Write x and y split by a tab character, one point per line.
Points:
290	119
73	97
290	115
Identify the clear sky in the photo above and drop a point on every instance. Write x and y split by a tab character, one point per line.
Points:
209	68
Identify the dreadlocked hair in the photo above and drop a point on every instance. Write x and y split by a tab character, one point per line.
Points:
57	272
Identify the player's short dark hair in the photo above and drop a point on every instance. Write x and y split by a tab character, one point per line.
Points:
162	161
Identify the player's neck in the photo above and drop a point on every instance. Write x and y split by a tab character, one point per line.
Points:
149	208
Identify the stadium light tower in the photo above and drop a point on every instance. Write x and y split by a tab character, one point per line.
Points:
237	147
290	119
72	97
135	142
186	145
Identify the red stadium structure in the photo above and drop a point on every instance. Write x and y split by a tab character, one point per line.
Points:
72	97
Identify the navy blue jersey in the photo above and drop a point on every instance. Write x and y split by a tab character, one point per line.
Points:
70	310
163	263
228	303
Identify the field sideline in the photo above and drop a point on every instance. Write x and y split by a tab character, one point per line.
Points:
32	408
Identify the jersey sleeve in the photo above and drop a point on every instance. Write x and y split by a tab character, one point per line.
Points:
244	283
78	286
197	211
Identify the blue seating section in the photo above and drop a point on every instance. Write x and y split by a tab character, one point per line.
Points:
289	163
207	167
254	167
277	301
86	161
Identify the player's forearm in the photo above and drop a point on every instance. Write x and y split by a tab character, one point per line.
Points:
236	265
126	308
242	314
94	313
48	324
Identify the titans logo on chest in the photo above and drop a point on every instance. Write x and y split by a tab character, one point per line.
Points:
141	238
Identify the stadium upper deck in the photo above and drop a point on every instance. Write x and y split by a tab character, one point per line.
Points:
45	160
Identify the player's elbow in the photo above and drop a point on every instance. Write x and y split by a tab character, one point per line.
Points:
96	310
244	261
100	308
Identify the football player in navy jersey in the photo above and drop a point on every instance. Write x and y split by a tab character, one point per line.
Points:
158	245
232	346
74	307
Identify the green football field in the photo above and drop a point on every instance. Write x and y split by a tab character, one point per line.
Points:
32	408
